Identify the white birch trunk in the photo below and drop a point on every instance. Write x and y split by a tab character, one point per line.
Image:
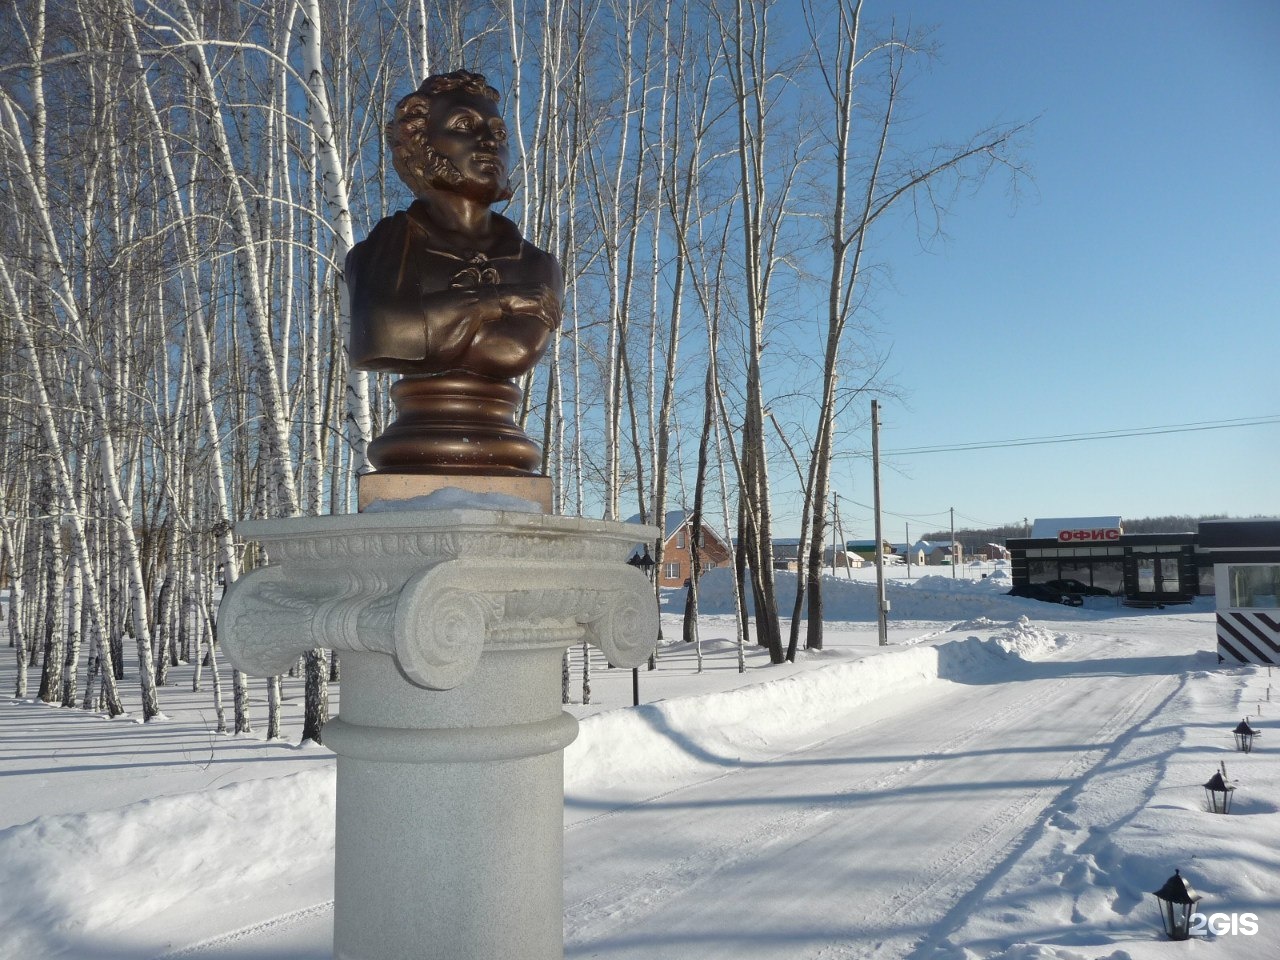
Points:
75	623
17	594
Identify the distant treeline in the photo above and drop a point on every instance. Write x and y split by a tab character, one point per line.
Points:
1175	523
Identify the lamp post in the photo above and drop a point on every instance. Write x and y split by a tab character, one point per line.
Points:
645	564
1217	794
1177	902
1244	736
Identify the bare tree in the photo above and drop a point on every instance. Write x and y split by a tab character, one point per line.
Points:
764	188
865	183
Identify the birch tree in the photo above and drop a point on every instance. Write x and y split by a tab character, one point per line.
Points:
866	182
764	187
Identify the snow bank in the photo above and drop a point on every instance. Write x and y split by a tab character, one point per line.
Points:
672	739
78	881
929	598
1086	875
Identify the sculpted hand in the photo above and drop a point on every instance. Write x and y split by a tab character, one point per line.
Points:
531	299
463	303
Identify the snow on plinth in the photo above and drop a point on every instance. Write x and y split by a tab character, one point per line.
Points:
455	498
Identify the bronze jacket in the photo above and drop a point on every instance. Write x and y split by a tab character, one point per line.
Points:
420	307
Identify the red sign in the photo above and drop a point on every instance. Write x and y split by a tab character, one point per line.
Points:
1083	536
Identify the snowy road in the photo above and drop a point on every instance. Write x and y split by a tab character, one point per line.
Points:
864	844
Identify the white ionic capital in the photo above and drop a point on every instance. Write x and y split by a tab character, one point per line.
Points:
436	589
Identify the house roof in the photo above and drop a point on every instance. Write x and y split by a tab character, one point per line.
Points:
674	520
867	545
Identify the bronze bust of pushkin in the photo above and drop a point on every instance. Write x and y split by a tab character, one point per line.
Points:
449	294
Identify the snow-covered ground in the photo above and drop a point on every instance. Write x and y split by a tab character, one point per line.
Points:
1005	779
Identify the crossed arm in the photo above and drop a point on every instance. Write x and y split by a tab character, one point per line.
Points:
494	330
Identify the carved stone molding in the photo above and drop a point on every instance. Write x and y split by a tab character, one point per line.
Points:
452	745
437	589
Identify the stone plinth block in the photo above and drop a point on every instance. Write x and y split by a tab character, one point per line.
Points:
406	486
451	625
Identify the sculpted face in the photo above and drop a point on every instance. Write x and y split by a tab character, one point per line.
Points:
453	140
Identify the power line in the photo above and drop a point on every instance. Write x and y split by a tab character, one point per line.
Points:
1192	427
921	517
924	518
982	523
1100	435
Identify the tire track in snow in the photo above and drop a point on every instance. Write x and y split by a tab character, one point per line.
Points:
943	749
618	904
644	892
973	858
270	927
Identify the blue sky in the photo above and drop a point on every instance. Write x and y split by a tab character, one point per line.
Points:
1135	284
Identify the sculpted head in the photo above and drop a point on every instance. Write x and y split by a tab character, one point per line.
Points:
448	135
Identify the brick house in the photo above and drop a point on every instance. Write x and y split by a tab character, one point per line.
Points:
677	562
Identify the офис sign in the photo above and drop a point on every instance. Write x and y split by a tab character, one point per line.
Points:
1092	535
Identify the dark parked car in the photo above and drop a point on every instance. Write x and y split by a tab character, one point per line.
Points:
1045	593
1076	586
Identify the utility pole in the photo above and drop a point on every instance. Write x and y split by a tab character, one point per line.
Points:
882	606
906	527
835	529
955	554
844	543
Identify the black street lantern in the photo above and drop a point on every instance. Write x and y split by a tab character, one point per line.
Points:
643	562
1244	736
1218	794
1177	902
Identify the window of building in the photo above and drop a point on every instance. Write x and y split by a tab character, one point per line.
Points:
1076	570
671	571
680	539
1109	575
1039	571
1146	575
1254	585
1158	575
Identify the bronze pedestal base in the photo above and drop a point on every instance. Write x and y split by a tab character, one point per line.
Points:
458	424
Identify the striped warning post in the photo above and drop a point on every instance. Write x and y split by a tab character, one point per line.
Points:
1248	637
